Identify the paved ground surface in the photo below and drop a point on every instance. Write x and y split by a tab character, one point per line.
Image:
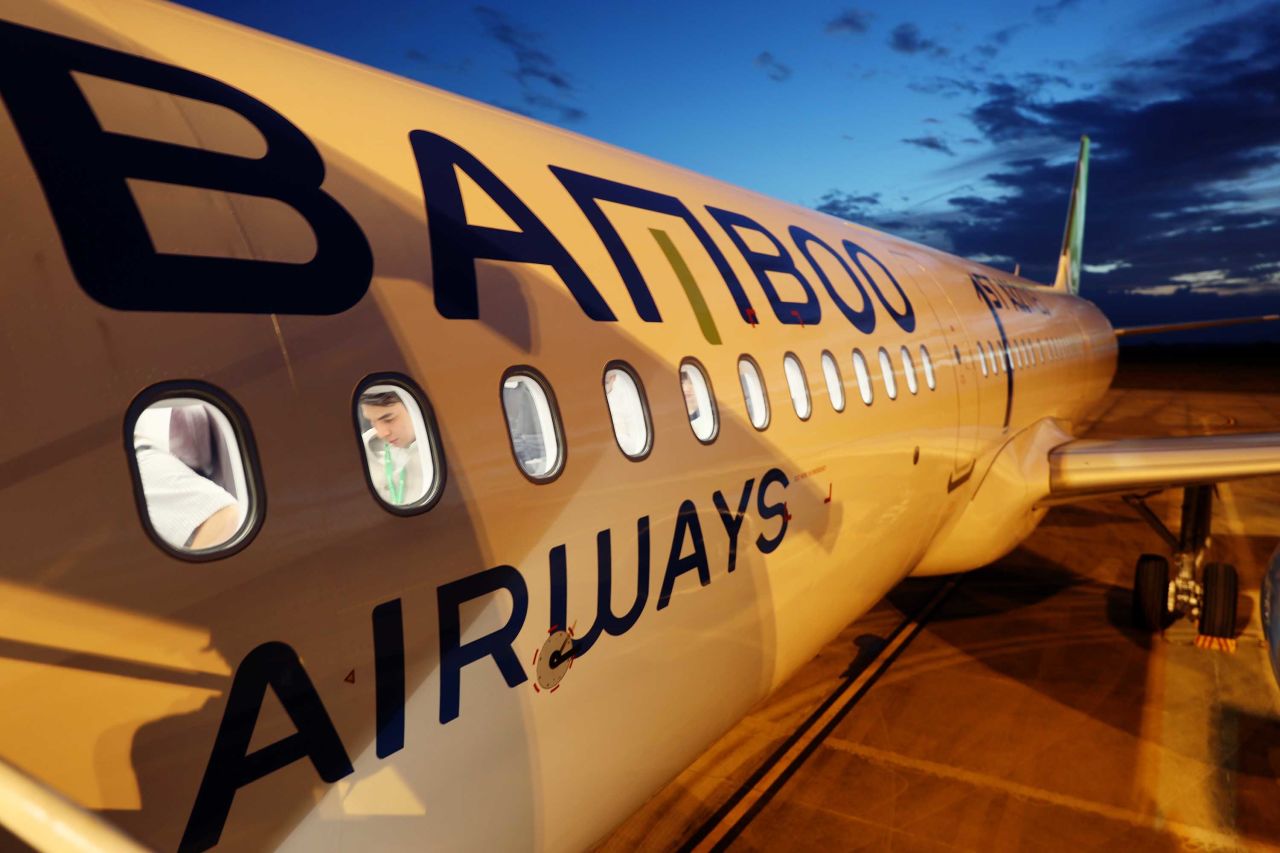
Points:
1025	712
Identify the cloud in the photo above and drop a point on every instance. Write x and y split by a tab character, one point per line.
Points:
536	71
906	38
1047	13
947	87
931	143
855	208
772	67
1185	170
853	21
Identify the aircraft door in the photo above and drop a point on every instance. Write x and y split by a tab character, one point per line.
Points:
956	359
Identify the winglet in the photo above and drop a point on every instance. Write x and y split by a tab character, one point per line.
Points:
1068	279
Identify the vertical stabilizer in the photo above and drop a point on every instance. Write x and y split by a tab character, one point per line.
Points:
1073	238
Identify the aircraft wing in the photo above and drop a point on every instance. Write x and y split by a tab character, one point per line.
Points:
1100	466
1161	328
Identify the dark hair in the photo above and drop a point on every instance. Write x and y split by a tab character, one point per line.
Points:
380	398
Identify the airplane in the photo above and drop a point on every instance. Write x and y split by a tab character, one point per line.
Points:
384	470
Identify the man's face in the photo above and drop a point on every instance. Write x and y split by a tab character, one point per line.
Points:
392	423
690	397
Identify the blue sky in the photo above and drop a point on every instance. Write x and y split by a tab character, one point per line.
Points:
953	124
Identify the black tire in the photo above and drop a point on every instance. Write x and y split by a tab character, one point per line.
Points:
1151	593
1218	610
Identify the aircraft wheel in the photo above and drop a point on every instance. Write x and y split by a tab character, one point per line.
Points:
1218	612
1151	593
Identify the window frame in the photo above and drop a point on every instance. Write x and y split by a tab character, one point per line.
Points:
823	358
711	396
930	372
618	364
431	496
804	378
764	392
887	378
909	369
557	423
256	514
866	385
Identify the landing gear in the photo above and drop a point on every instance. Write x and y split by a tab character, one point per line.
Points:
1151	592
1221	585
1209	600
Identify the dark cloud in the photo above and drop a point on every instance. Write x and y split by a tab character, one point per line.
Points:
543	85
906	38
1047	13
775	69
947	87
1186	147
931	143
849	21
931	120
855	208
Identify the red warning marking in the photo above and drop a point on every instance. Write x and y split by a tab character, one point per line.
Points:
535	656
830	487
796	314
536	688
751	316
786	513
351	677
1217	644
554	689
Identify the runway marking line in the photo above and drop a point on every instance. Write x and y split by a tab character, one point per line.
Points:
755	793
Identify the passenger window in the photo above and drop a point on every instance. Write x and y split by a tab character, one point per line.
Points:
627	409
995	357
959	360
982	359
753	392
398	442
930	379
835	382
798	385
699	401
197	489
909	371
864	377
886	371
533	423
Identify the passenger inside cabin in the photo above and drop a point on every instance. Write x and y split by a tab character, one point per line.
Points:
524	424
182	464
626	412
392	449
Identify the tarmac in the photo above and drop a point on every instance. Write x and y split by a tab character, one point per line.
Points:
1016	707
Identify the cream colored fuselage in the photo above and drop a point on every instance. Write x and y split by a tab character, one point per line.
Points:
118	657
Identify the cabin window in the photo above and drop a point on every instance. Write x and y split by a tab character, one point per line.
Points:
1030	347
909	370
699	401
1044	350
1017	353
533	422
798	385
863	375
930	378
835	382
628	410
886	371
959	360
994	357
753	392
982	359
195	479
397	443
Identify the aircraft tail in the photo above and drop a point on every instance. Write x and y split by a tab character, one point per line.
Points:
1068	279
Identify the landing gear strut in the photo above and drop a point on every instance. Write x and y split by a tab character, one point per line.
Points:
1210	598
